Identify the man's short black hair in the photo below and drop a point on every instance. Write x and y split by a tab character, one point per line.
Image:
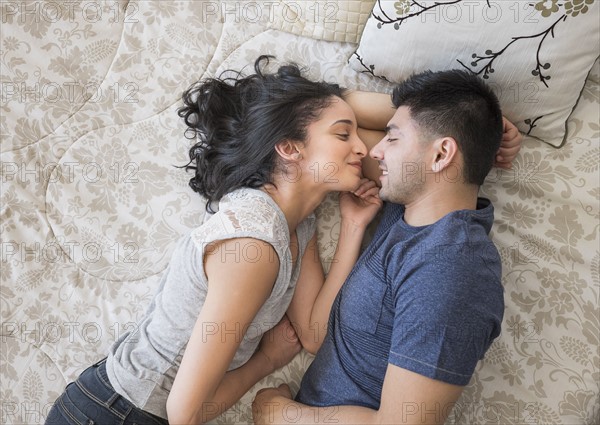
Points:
457	104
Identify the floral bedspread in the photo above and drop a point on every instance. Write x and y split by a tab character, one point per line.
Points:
92	204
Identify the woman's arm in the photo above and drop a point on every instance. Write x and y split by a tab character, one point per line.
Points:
236	291
277	348
314	294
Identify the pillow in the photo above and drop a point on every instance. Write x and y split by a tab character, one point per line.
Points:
324	20
535	54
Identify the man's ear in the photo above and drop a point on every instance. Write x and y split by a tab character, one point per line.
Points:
444	152
289	151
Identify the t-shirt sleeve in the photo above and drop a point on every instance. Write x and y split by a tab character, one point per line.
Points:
447	312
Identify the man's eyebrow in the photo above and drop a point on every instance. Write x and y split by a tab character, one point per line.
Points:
390	128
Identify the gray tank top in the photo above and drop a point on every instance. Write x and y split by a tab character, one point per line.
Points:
142	364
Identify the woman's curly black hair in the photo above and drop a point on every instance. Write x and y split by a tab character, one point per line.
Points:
238	121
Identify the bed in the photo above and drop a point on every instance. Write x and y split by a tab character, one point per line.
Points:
92	202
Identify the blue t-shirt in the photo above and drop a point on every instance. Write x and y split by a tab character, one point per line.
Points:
427	299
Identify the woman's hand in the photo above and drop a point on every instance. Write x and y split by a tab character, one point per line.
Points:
280	344
360	206
510	145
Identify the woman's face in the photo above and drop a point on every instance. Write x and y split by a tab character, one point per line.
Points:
333	151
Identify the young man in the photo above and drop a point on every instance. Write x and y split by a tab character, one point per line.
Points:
424	302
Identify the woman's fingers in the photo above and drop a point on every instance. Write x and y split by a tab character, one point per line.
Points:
365	186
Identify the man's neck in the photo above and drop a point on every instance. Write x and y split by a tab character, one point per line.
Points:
433	205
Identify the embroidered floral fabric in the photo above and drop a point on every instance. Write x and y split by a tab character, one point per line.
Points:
91	205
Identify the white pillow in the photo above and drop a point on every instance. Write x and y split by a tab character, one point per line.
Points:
535	54
341	20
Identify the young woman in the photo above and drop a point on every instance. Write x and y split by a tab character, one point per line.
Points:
270	148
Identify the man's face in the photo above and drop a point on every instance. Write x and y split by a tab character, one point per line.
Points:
401	157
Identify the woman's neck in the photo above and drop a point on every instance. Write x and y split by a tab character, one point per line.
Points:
296	202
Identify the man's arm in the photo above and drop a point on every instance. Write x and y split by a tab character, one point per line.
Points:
510	145
407	398
374	110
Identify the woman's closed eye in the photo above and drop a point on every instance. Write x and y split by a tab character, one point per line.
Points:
344	136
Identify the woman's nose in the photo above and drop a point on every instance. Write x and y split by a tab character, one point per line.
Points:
359	147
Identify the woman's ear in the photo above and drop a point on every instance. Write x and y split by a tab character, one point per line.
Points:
289	151
445	150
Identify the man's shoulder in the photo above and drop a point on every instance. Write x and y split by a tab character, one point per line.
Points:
460	255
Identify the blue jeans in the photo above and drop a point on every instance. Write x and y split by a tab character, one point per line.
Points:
91	400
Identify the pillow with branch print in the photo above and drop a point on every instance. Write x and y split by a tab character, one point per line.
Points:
535	54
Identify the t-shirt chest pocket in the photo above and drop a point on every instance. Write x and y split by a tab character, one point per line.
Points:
361	301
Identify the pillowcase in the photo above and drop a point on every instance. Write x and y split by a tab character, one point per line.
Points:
324	20
535	54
